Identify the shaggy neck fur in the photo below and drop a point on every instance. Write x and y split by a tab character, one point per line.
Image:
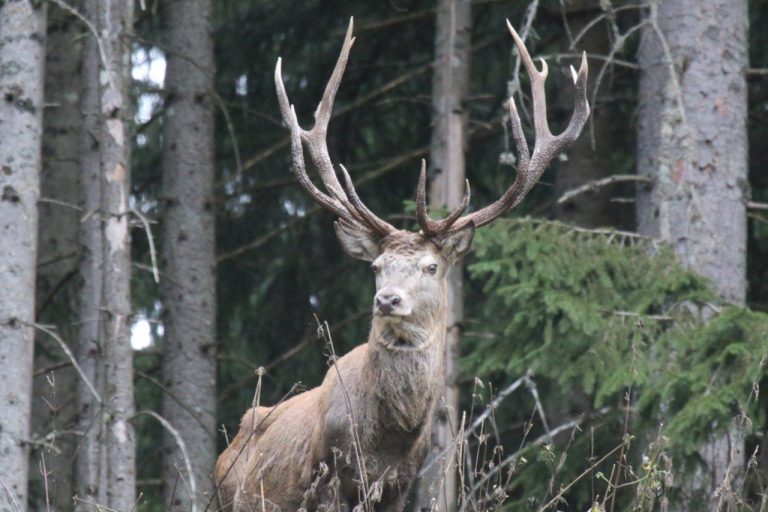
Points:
405	365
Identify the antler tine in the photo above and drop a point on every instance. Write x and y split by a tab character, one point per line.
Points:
297	152
546	147
429	226
336	199
523	156
316	137
370	219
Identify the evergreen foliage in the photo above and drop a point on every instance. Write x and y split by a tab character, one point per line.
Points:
598	315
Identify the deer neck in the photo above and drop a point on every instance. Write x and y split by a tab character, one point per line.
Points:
405	367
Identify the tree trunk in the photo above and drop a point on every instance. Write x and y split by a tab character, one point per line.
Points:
54	409
692	141
22	47
450	87
115	21
90	470
188	286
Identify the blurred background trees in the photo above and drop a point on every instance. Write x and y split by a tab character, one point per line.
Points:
620	313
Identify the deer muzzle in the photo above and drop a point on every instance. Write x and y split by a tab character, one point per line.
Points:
391	302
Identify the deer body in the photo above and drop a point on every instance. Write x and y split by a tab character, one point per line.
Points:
362	435
387	386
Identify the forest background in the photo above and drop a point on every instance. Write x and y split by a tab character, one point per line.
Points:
159	256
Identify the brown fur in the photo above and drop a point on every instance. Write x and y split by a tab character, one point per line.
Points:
302	453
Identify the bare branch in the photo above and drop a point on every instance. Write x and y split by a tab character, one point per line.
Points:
183	448
150	241
52	333
592	186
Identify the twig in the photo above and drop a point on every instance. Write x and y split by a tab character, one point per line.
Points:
11	500
94	31
324	332
45	473
44	371
54	291
50	332
660	318
757	72
593	56
605	232
513	457
595	184
584	473
531	385
229	391
176	399
599	18
183	448
57	202
475	424
90	502
232	135
753	205
617	46
151	241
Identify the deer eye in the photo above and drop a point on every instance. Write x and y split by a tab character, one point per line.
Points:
375	269
432	269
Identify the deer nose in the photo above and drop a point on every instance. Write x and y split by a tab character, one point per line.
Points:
387	302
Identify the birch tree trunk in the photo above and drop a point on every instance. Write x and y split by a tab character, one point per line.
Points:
692	141
188	286
450	87
90	469
54	408
115	21
22	48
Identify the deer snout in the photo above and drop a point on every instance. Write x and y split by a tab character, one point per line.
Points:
387	302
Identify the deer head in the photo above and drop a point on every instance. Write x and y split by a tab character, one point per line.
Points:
411	267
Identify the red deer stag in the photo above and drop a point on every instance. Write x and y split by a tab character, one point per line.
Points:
362	435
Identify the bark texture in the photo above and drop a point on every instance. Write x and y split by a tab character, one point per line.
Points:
22	48
692	142
188	285
90	470
692	137
450	87
114	22
54	411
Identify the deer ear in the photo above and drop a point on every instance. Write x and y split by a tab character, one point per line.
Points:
455	245
358	243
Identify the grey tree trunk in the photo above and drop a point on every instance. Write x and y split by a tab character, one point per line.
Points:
587	162
115	20
450	86
188	285
22	53
692	141
54	412
90	469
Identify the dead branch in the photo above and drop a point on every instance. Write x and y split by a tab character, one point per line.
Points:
49	330
150	241
753	205
592	186
182	447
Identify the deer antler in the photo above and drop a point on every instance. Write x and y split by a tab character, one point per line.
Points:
530	166
346	205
